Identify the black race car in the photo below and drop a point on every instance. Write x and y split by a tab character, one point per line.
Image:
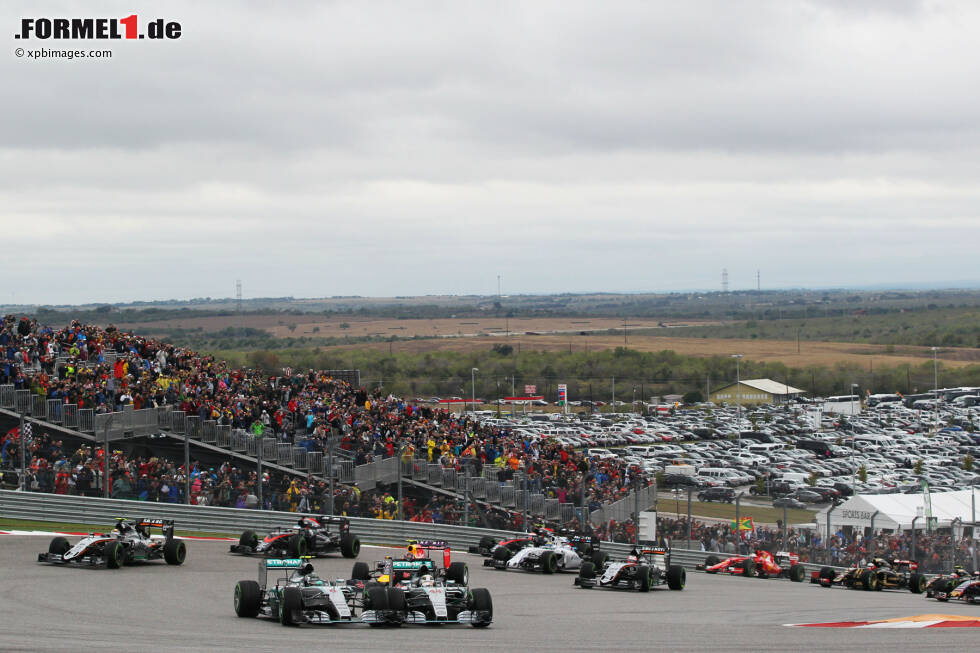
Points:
309	537
129	542
641	571
881	574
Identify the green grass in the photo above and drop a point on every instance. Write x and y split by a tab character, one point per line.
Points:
761	514
29	525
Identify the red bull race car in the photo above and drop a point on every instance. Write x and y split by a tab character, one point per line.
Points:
311	536
762	564
941	587
128	543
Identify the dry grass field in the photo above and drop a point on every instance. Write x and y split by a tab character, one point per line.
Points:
811	353
284	326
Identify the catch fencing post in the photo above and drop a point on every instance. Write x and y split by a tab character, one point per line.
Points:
689	491
105	454
23	454
873	533
785	511
738	523
826	545
258	476
187	466
914	519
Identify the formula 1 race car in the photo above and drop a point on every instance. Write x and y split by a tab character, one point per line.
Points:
640	571
880	574
761	564
298	596
550	553
942	586
488	543
309	537
415	563
968	591
414	589
130	541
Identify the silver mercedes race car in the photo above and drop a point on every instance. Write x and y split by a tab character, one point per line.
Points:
298	595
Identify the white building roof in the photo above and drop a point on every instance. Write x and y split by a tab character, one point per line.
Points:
897	511
770	386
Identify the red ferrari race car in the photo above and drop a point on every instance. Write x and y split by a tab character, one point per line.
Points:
762	564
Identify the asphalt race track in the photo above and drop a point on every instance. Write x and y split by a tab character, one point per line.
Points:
155	607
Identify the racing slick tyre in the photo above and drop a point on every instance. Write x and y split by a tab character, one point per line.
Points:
480	601
396	599
549	563
458	572
917	583
502	554
600	559
797	573
643	578
827	575
115	555
376	598
711	561
248	598
361	571
175	552
350	545
249	539
487	543
748	567
59	546
587	570
297	546
676	577
291	606
869	581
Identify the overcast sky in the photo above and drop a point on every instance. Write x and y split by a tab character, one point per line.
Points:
400	148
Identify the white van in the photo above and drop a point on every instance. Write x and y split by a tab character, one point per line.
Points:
719	474
765	448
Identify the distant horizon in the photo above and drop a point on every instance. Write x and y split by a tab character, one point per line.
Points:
951	286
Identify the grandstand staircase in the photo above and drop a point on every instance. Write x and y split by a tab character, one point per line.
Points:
292	458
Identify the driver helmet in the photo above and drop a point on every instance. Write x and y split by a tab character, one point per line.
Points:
427	581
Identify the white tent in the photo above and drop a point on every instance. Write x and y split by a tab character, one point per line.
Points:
896	511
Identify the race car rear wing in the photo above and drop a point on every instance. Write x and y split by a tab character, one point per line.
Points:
165	525
343	522
430	544
287	565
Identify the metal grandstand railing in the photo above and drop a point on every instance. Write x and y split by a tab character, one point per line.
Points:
484	486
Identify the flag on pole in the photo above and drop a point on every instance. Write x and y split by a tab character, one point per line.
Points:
745	524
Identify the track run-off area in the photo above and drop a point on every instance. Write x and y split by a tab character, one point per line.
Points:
155	607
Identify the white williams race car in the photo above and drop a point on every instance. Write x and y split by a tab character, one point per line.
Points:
550	554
